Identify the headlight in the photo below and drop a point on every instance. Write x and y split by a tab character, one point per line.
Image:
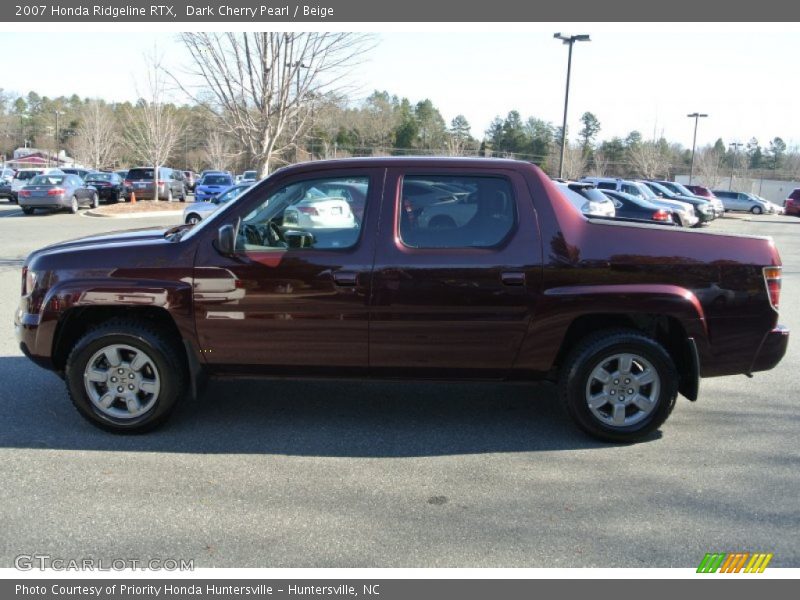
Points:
28	281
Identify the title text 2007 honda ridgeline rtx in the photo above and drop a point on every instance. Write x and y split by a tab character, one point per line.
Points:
412	268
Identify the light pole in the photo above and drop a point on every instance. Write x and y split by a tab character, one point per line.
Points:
735	146
58	161
570	41
696	116
297	65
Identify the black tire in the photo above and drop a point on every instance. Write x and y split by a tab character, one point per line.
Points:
757	210
192	219
27	210
165	356
183	195
576	380
169	194
74	205
95	201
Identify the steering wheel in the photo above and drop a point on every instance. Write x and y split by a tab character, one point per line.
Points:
274	235
252	235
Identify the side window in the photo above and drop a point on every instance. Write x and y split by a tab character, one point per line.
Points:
455	211
311	214
607	185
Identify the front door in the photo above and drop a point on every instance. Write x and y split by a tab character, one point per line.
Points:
294	297
457	267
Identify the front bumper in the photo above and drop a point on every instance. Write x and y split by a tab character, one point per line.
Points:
771	350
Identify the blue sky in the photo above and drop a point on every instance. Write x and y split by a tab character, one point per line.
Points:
633	77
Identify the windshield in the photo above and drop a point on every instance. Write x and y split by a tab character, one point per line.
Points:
663	189
647	193
249	175
682	189
23	175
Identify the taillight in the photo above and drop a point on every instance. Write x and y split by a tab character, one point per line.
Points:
56	192
309	210
24	193
772	276
661	215
127	182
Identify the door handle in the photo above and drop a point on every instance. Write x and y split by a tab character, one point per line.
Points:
512	278
345	278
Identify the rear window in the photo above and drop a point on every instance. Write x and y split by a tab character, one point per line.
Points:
795	195
216	180
607	185
140	174
48	179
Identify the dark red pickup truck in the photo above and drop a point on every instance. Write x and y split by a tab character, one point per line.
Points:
404	268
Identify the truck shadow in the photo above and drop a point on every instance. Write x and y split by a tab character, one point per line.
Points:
304	418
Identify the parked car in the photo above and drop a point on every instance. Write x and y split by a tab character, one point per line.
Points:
317	209
109	186
791	205
211	185
79	171
741	201
170	184
772	208
587	199
123	173
24	176
197	211
249	176
6	177
191	180
527	289
633	207
681	190
703	208
684	214
57	191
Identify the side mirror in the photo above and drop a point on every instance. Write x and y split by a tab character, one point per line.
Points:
298	239
226	240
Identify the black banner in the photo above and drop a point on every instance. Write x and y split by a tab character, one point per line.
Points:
444	11
391	589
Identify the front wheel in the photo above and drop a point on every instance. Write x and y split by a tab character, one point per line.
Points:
124	376
619	385
192	219
756	210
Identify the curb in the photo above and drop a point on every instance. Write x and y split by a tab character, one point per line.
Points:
142	215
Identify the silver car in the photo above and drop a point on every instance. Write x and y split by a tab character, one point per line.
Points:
197	211
742	201
57	191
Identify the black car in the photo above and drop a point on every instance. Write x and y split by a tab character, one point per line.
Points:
703	208
632	207
108	185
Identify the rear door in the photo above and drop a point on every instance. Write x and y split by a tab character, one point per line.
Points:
454	299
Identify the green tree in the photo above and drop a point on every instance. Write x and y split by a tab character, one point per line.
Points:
775	153
591	127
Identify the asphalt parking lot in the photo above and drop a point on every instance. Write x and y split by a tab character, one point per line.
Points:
315	474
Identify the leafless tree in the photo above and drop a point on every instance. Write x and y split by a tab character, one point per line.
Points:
263	83
574	161
153	129
708	163
218	151
649	159
600	165
96	137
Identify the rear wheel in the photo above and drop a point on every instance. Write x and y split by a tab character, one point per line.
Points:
169	194
125	377
27	210
95	201
73	205
619	385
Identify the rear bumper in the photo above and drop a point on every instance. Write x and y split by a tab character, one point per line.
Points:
48	202
771	350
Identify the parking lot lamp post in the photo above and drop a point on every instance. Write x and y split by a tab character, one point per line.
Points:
569	40
297	65
57	113
735	146
696	116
